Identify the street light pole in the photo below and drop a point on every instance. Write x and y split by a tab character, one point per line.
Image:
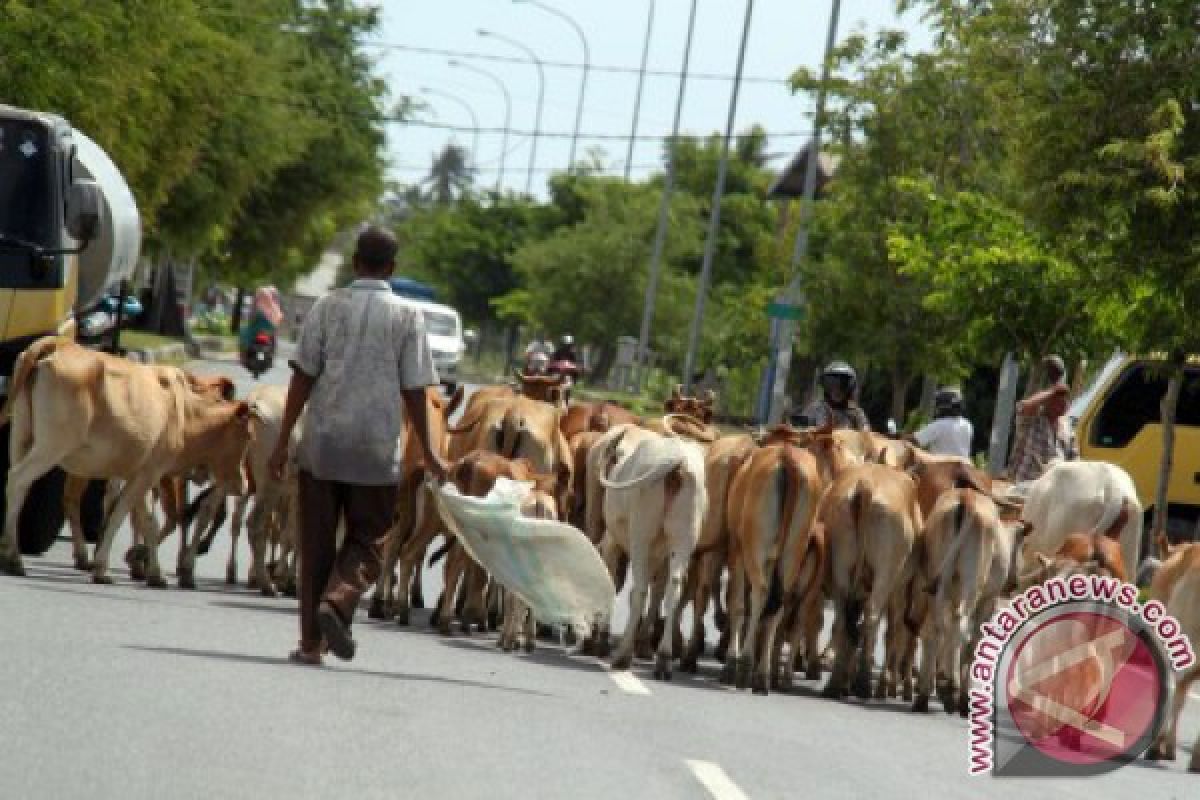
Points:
714	222
785	329
664	208
587	66
507	115
537	121
470	112
637	100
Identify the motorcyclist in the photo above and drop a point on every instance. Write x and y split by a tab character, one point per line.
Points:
566	351
838	383
264	318
950	432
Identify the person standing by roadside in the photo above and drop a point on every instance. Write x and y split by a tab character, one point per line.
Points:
1042	431
361	364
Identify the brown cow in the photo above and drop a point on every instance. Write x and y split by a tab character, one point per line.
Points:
871	515
598	417
721	462
1091	552
580	445
1177	585
771	507
99	416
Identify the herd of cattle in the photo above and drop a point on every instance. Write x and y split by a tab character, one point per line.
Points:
767	527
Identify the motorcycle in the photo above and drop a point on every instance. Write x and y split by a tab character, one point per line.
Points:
260	354
570	372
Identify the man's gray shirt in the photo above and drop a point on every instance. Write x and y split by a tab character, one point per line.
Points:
363	346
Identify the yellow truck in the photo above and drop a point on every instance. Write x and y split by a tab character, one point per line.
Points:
69	233
1118	419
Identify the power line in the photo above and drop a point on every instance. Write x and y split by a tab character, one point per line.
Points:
620	70
313	104
575	65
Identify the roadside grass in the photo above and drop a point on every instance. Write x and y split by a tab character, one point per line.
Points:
140	340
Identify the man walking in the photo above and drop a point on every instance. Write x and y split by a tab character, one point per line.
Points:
360	353
1042	432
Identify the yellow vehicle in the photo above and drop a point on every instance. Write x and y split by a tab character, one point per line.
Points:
1118	420
69	232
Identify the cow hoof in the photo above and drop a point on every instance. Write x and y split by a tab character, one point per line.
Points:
375	610
13	566
622	662
603	648
402	617
251	581
289	589
570	637
588	648
677	642
137	573
729	674
156	582
662	667
103	580
443	628
269	591
1154	754
689	664
231	577
862	685
644	651
83	564
743	666
759	685
187	580
722	651
831	692
530	645
1194	764
921	704
813	672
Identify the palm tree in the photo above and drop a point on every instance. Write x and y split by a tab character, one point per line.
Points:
450	177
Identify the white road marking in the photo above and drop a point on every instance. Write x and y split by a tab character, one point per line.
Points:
628	682
715	780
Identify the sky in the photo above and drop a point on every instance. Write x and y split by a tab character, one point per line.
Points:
784	34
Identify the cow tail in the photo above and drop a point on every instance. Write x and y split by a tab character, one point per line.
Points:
441	552
972	568
193	508
23	373
852	608
791	481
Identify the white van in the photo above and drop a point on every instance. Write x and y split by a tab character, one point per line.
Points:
443	328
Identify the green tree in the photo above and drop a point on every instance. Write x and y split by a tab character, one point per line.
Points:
450	177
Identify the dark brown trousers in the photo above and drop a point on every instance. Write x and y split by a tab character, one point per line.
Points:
339	576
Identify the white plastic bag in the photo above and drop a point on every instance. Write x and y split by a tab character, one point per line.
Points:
550	565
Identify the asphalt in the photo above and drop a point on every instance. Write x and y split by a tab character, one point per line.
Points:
128	692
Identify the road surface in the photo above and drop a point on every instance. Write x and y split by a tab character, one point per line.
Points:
128	692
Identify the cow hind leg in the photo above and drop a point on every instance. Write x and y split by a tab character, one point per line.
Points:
1163	748
132	492
639	568
676	566
73	491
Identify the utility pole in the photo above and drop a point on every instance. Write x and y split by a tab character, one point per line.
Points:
789	302
664	215
637	96
714	221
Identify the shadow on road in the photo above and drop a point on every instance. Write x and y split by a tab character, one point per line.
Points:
243	658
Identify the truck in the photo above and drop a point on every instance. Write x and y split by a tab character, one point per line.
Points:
69	233
1118	419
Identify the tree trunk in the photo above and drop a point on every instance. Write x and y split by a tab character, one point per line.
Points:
899	396
928	393
1170	405
235	319
1002	415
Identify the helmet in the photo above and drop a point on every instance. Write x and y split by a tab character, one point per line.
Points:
842	371
949	399
567	340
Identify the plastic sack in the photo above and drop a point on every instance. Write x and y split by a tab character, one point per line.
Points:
549	565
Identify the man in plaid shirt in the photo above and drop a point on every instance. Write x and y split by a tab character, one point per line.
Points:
1043	433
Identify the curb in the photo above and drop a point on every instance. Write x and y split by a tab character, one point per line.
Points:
173	353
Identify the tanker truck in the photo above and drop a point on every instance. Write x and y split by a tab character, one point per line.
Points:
69	232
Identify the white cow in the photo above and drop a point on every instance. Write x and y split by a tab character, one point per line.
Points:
654	508
1075	496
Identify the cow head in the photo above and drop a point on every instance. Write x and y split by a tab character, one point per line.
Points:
226	443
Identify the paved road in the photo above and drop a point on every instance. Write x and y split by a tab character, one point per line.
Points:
127	692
